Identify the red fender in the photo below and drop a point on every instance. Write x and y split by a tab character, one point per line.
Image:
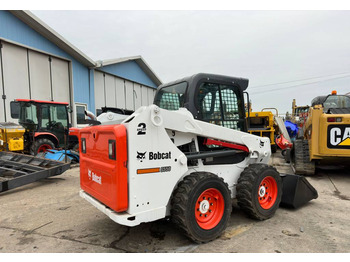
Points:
46	134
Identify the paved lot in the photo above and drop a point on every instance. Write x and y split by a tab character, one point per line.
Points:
49	216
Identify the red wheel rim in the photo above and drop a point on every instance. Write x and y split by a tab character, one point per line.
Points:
43	148
210	208
267	192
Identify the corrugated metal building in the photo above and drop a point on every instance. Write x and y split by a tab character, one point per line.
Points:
124	83
37	63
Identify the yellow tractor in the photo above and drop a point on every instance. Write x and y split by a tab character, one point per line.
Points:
299	116
326	137
262	124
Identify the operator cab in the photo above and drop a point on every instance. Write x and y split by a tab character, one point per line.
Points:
210	98
333	104
42	116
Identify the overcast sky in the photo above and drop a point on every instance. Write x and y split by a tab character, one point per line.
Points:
267	47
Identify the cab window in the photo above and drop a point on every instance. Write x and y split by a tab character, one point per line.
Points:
221	105
28	114
171	97
335	101
54	115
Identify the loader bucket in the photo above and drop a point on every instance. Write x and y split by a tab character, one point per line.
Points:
297	191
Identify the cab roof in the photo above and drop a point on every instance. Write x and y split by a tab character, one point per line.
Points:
40	101
192	80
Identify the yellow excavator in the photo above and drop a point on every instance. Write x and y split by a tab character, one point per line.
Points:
326	136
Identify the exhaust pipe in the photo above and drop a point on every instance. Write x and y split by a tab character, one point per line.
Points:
91	115
93	119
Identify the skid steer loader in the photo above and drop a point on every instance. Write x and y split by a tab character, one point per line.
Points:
187	156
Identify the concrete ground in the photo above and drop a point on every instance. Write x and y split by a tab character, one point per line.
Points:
49	216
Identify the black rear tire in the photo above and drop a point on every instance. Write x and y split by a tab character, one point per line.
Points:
201	206
254	197
40	145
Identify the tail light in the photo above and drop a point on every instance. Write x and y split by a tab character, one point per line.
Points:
283	143
334	119
112	149
83	145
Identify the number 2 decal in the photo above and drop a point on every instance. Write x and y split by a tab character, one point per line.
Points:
141	129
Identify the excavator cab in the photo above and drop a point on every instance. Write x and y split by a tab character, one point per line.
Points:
326	137
210	98
336	104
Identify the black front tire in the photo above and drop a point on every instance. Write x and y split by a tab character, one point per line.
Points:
251	191
189	210
40	144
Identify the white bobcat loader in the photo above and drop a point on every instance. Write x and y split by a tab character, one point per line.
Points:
187	156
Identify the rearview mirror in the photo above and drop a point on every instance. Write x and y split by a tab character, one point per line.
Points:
15	109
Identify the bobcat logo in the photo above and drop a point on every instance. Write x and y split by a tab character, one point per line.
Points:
141	156
94	177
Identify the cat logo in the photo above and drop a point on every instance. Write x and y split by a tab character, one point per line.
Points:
338	136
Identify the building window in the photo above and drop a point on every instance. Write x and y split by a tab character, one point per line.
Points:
80	113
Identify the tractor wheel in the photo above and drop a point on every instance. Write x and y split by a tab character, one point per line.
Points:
300	158
41	145
259	191
201	206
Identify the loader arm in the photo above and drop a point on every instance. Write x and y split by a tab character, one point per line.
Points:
182	121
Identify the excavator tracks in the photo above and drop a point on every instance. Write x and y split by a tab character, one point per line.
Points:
301	163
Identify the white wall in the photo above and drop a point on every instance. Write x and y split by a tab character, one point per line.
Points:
112	91
29	74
